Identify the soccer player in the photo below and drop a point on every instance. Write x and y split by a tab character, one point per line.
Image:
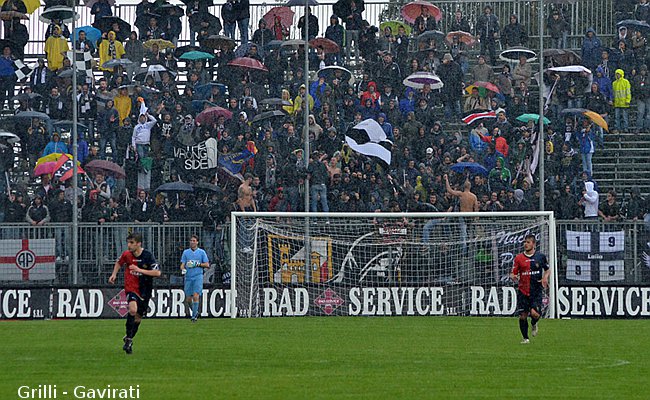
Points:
530	269
140	267
193	261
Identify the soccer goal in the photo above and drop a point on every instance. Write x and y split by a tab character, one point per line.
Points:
376	264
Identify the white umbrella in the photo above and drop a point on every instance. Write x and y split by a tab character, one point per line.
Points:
571	68
62	13
419	79
11	138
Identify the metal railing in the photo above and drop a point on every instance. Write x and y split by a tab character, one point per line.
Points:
581	15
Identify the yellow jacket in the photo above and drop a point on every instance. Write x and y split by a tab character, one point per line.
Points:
103	51
622	91
55	47
123	106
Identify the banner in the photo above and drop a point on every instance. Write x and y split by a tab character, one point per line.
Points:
25	303
595	256
201	156
604	302
27	260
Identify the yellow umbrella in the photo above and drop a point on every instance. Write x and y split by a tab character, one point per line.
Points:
30	5
162	44
52	157
597	119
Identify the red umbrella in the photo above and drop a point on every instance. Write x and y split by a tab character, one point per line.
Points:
414	9
106	167
284	13
46	168
463	37
248	63
210	115
487	85
328	46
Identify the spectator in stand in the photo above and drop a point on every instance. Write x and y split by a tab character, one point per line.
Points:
610	210
452	76
587	140
109	49
591	49
639	43
642	11
514	34
229	14
625	57
55	146
243	18
635	209
459	23
335	33
134	51
7	76
55	48
641	92
101	9
559	29
596	101
522	72
622	100
481	71
426	20
37	214
312	25
351	15
262	35
487	32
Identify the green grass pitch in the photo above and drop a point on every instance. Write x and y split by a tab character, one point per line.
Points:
333	358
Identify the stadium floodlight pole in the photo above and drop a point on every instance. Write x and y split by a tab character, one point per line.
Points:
540	136
75	145
305	131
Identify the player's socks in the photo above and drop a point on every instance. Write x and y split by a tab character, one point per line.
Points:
533	322
136	325
523	327
195	309
130	322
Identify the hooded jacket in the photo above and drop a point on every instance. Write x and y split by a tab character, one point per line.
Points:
622	91
604	84
590	200
591	49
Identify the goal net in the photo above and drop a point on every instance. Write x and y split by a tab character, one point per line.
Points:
382	263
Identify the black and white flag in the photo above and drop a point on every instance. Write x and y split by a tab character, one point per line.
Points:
84	61
369	138
22	71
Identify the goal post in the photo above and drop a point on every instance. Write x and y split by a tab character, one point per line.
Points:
375	264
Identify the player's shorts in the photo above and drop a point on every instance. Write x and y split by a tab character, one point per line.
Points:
143	304
527	303
193	284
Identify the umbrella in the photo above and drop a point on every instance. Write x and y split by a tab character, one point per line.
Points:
641	26
532	117
273	44
419	79
197	18
431	35
52	157
218	42
244	49
46	168
30	5
300	3
394	26
117	62
471	167
11	138
293	43
573	111
26	97
196	55
463	37
179	51
205	186
571	68
67	125
471	118
154	71
248	63
32	114
205	90
268	114
67	73
105	24
210	115
275	101
91	3
175	187
60	13
105	167
412	10
9	15
328	46
170	9
562	57
331	70
161	43
284	13
199	105
487	85
513	54
93	34
597	119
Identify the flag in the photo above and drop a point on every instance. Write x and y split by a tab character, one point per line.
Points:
369	138
63	169
84	61
22	71
27	260
477	116
233	163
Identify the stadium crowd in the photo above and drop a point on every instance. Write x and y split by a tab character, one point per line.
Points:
135	116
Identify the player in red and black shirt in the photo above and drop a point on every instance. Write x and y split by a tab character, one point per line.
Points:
530	269
140	267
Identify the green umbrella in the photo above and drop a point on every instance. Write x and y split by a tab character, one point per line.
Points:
531	117
394	25
196	55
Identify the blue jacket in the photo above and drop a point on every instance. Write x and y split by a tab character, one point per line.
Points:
587	141
6	66
591	50
604	84
55	147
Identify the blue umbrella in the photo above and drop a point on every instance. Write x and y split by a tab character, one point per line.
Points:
196	55
203	91
243	49
93	34
199	105
300	3
175	187
473	168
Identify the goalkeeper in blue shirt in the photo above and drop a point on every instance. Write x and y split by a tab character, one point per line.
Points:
193	261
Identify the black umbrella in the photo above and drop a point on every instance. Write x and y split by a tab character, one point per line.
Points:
218	42
67	125
573	111
67	73
26	97
635	25
267	115
59	13
275	101
196	19
175	187
206	187
31	114
431	35
105	24
179	51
